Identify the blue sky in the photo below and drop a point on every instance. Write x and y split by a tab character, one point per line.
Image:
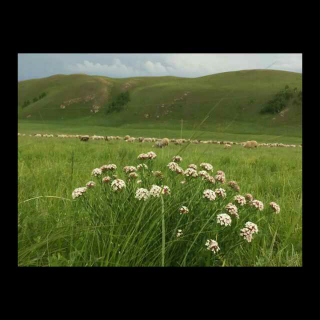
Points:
31	66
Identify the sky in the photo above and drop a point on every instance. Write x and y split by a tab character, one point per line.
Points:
32	66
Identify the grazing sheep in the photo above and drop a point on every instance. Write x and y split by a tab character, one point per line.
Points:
126	137
227	146
141	139
251	144
158	144
84	138
147	140
131	139
165	141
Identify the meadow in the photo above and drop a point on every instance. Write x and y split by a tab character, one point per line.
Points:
107	228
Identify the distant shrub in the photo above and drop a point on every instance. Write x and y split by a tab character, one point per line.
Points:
35	99
119	103
280	100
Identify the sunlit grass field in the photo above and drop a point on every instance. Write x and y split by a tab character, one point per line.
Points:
105	228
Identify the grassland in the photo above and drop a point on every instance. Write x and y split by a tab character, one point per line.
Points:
118	230
232	101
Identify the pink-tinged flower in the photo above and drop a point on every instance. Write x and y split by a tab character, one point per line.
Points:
240	200
151	155
204	174
248	197
192	166
176	159
179	170
128	169
209	194
275	207
210	179
133	175
165	190
142	194
224	219
91	184
220	178
78	192
184	210
232	209
118	184
221	173
108	167
143	156
97	172
212	245
249	230
106	179
206	166
257	204
221	192
172	166
190	172
155	191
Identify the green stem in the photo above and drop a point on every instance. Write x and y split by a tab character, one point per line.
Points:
163	232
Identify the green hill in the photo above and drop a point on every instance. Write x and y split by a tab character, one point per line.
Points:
234	99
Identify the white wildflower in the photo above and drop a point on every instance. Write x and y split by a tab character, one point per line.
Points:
212	245
78	192
155	191
220	178
143	156
221	192
209	194
165	190
275	207
151	155
142	194
91	184
172	166
224	219
142	166
240	200
176	159
206	166
106	179
184	210
128	169
179	233
190	172
97	172
232	209
193	166
118	184
257	204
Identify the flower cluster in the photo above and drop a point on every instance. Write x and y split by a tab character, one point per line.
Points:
190	172
151	155
165	190
106	179
91	184
220	178
221	192
118	184
221	173
108	167
224	219
210	179
232	209
212	245
133	175
275	207
177	159
249	230
234	185
248	196
179	233
142	194
204	174
128	169
240	200
206	166
184	210
257	204
78	192
193	166
172	166
209	194
155	191
143	156
142	166
96	172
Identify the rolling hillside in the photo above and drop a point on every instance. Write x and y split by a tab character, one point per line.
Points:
234	100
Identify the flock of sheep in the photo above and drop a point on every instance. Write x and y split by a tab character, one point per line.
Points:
160	143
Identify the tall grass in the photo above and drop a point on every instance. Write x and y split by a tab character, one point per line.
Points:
115	229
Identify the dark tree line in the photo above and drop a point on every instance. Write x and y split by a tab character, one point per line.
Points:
35	99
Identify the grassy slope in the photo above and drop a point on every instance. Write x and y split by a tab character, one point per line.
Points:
243	94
